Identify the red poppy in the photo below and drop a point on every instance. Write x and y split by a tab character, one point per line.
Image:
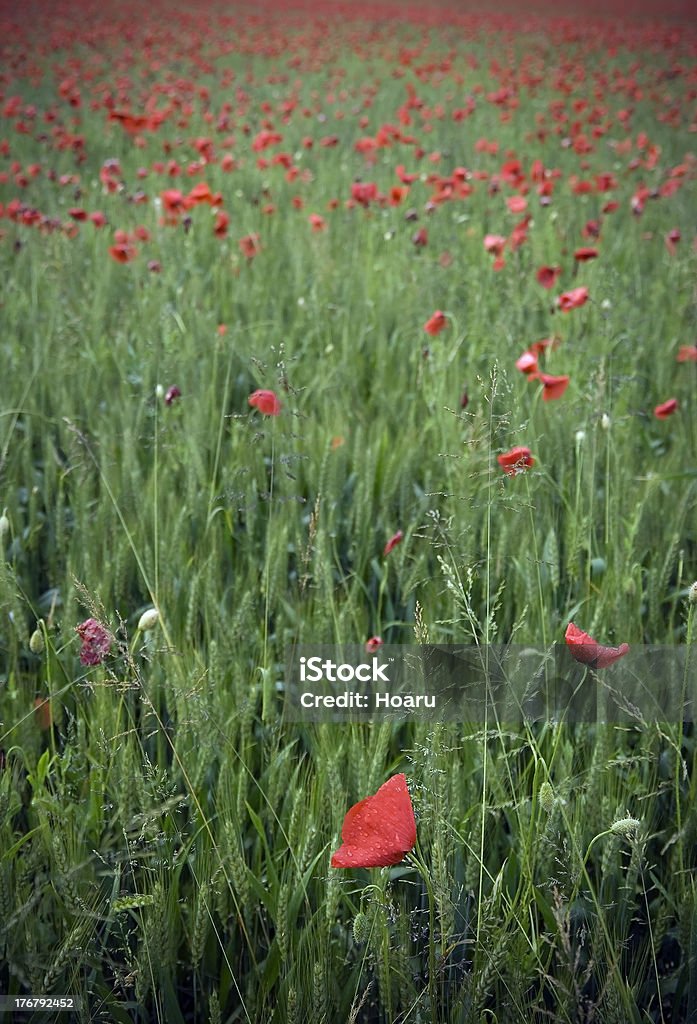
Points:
547	276
436	323
515	461
266	402
96	641
222	221
572	299
317	222
378	831
123	252
172	394
250	246
687	354
586	252
666	409
527	363
584	649
373	644
392	543
553	387
494	244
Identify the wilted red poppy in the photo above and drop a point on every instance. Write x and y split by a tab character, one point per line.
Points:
392	543
266	402
96	641
687	354
546	276
515	461
572	299
436	323
373	644
378	831
553	387
584	649
666	409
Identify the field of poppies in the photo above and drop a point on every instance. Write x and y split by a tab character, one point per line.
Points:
343	324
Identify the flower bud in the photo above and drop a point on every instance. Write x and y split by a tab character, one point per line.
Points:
625	827
361	927
4	525
692	593
36	641
148	620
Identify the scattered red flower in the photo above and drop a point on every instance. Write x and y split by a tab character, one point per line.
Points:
373	644
172	394
250	246
547	276
515	461
392	543
553	387
687	354
96	642
666	409
586	252
266	402
527	363
587	651
572	299
436	323
379	830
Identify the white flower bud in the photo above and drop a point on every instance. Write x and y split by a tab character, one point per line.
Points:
692	593
148	620
4	525
625	827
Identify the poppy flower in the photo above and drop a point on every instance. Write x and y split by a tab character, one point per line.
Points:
572	299
250	246
586	252
379	830
666	409
317	223
527	363
435	324
553	387
515	461
547	276
687	354
373	644
585	650
392	543
266	402
172	394
96	641
123	252
494	244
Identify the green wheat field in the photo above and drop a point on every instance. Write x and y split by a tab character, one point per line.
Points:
201	204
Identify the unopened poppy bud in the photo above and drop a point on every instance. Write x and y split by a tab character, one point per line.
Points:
148	620
36	641
605	421
692	593
4	524
625	827
547	797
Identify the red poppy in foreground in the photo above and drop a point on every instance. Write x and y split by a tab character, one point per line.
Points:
373	644
666	409
96	641
392	543
436	323
687	354
572	299
378	831
584	649
266	402
515	461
